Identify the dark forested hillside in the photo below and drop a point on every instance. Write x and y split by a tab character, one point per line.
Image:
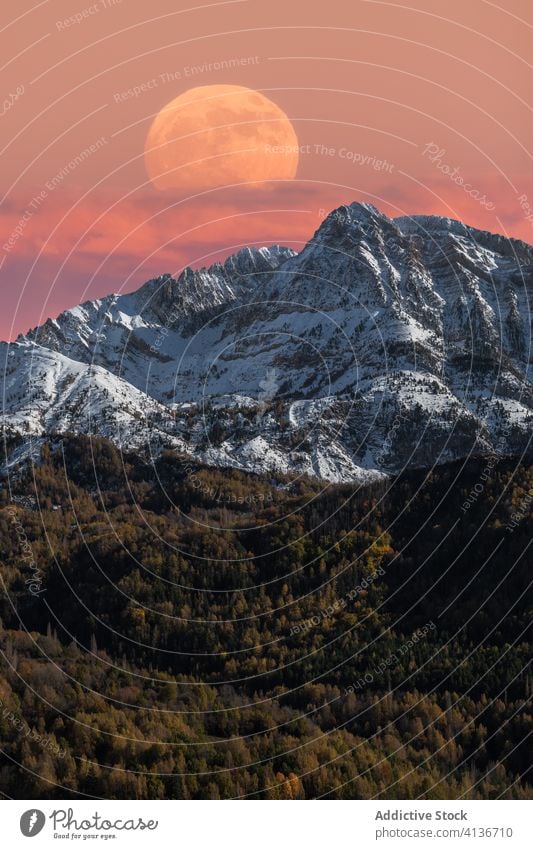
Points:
174	631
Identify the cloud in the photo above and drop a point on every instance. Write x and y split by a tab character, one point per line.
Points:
72	249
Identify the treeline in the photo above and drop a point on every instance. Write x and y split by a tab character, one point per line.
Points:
200	633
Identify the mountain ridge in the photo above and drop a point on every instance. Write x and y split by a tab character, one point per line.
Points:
383	343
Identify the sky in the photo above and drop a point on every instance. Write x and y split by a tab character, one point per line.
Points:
417	107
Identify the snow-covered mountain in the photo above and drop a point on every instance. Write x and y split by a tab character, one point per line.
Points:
384	343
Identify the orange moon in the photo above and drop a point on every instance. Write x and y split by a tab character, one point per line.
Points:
219	135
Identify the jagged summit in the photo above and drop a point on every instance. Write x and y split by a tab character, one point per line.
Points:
351	218
383	343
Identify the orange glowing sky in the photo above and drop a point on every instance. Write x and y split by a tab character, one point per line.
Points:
386	99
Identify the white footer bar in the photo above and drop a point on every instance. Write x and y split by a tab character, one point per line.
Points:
256	825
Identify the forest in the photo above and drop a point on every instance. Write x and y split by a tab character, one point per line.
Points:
170	630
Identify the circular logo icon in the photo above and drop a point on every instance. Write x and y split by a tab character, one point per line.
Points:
32	822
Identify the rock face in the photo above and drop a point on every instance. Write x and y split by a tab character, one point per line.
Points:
385	343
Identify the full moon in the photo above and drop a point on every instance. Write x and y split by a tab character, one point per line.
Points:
219	135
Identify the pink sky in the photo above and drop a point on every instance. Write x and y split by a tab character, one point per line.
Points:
374	82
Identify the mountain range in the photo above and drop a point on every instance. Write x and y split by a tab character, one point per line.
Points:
384	344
